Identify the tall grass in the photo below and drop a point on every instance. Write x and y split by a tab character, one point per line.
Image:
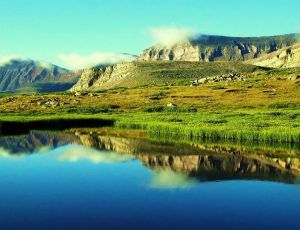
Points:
230	126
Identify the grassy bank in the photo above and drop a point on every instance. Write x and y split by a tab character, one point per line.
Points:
280	126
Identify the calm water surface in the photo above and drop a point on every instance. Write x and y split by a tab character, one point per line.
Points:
93	181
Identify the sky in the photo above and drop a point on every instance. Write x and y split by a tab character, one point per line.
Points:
74	33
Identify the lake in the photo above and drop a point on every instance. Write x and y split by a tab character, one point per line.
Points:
109	179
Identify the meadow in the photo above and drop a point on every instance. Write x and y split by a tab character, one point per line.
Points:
265	107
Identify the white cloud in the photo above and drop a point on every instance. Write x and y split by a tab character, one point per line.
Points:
77	61
169	36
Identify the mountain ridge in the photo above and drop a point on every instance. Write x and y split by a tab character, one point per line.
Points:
210	48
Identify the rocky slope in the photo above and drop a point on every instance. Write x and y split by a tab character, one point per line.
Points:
219	48
151	73
104	76
287	57
20	73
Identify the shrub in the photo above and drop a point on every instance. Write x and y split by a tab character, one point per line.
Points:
153	109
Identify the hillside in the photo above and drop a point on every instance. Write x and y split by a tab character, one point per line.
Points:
209	48
29	75
156	73
287	57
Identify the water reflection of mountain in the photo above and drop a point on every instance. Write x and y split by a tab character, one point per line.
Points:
200	162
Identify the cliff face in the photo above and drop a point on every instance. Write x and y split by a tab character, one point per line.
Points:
219	48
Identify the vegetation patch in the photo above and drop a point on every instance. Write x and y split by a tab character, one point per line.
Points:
281	105
233	90
168	109
91	110
218	87
158	96
216	122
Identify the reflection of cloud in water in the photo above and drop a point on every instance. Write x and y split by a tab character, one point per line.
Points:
75	153
171	180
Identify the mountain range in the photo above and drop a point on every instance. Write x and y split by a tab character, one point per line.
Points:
281	51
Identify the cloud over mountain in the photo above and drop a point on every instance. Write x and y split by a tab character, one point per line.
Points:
169	36
4	59
77	61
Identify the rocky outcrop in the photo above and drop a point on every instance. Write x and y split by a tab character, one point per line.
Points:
103	77
218	48
221	78
287	57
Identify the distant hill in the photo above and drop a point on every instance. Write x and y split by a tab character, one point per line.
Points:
209	48
156	73
28	75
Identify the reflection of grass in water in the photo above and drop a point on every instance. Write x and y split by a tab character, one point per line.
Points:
168	179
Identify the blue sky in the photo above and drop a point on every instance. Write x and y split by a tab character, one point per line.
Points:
46	29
